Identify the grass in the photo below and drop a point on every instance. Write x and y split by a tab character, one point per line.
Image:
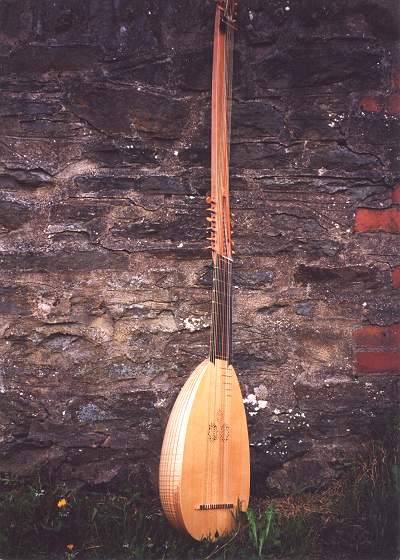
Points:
356	514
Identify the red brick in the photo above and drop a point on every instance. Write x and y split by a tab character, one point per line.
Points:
396	277
395	79
393	104
369	219
384	338
370	104
396	195
378	362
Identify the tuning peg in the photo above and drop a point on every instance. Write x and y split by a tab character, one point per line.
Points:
209	219
209	200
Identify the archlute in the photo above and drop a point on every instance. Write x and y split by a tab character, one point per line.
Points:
205	467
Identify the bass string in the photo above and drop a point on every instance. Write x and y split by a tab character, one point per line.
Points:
223	387
219	177
221	311
222	314
218	39
227	264
220	416
220	337
207	431
215	371
227	378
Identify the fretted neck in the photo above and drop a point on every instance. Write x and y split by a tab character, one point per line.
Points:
221	322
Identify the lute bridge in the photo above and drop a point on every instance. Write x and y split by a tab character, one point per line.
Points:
214	506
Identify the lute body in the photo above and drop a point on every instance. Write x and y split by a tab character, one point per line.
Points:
205	467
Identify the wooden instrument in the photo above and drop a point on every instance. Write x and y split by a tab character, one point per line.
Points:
205	466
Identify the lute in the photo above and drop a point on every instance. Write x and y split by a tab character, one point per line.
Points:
204	467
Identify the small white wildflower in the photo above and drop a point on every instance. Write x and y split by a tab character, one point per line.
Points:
250	399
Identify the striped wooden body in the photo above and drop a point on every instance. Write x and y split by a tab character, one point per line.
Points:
204	467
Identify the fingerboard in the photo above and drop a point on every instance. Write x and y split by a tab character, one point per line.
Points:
221	321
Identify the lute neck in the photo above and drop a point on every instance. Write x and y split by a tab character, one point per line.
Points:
220	219
221	321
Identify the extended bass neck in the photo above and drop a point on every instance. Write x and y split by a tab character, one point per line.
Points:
220	219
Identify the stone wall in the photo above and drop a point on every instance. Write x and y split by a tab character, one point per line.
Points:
105	279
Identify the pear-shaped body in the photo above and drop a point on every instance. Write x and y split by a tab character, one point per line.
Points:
205	466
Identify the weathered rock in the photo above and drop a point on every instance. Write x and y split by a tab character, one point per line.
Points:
105	282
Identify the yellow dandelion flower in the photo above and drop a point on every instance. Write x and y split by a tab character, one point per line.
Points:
70	547
62	503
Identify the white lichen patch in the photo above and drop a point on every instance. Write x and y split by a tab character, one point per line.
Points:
193	324
257	404
160	403
250	399
335	119
45	307
2	384
261	392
